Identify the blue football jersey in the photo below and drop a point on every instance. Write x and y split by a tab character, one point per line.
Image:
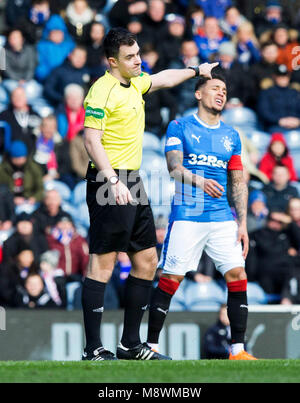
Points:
207	151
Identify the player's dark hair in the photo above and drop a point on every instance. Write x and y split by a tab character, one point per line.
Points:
115	38
215	74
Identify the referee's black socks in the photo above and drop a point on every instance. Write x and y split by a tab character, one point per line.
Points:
137	298
93	306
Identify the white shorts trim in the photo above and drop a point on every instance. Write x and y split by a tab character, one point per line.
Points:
186	240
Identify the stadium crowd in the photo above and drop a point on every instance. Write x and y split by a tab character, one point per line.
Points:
53	53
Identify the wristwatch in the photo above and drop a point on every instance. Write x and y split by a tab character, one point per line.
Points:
196	70
113	180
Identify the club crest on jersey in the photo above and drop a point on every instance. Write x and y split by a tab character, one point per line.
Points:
227	143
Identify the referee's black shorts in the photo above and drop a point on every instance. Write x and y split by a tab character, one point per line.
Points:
119	228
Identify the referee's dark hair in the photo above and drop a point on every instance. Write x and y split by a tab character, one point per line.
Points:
115	38
215	74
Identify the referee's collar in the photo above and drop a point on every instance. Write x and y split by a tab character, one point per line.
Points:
115	79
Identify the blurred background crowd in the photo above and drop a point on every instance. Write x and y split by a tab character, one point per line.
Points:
51	52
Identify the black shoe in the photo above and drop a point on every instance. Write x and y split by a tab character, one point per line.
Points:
100	354
140	352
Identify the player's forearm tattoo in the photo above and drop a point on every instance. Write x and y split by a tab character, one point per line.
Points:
177	170
239	194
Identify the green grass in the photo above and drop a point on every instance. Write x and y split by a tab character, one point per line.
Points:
202	371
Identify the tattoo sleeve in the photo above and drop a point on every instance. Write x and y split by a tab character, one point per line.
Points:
238	192
178	172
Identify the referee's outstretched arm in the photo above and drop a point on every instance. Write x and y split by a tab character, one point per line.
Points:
172	77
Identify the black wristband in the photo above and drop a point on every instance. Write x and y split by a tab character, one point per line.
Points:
196	70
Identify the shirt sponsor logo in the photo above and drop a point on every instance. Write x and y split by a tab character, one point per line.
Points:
173	141
210	160
94	112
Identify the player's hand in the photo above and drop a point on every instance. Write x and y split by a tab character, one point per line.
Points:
243	237
206	68
121	193
213	188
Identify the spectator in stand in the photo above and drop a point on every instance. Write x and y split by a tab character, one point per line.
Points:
49	212
95	54
21	61
54	47
52	153
123	10
209	39
262	73
231	21
34	294
156	100
7	209
22	175
214	8
79	156
15	10
22	119
279	106
240	91
257	211
189	56
286	41
32	24
271	17
277	154
70	115
279	191
79	17
13	274
247	44
44	154
194	17
25	237
54	277
270	260
73	248
154	23
169	48
72	71
216	343
135	27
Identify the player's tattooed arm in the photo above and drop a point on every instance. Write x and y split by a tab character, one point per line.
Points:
181	174
239	194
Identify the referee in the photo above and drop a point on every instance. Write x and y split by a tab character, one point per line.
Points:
120	216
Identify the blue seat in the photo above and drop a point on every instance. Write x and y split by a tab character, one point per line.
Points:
293	139
153	162
7	134
178	300
79	193
260	140
241	117
61	187
255	294
70	291
208	294
151	142
295	154
190	111
162	144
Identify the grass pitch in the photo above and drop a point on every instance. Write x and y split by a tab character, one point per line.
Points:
200	371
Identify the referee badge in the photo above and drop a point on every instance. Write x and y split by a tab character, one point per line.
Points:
94	112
